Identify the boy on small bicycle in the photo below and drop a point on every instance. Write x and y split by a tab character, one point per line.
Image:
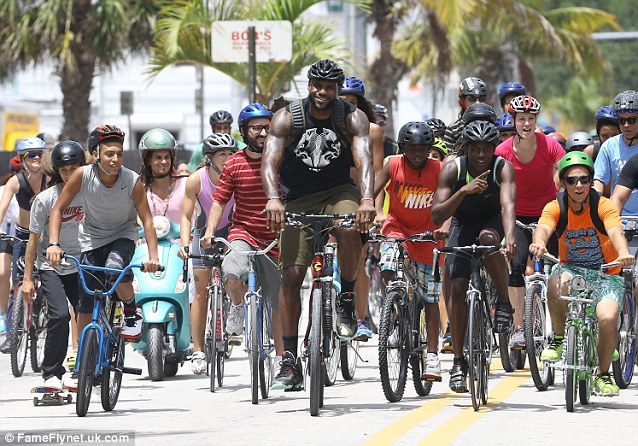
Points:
60	285
113	199
583	247
413	180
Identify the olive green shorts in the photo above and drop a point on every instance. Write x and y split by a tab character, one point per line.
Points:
296	245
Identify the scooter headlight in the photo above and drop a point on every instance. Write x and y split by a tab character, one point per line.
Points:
162	226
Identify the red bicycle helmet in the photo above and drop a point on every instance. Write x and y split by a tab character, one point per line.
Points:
524	104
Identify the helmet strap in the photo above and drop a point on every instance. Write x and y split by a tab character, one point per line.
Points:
254	150
99	164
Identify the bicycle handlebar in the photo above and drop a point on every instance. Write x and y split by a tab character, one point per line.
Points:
469	251
428	236
13	238
292	219
530	227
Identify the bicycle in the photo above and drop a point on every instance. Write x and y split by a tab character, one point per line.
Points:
537	323
216	346
402	331
101	349
375	293
479	338
623	367
321	341
28	322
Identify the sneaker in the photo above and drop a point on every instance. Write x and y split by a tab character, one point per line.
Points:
363	331
3	324
554	350
517	340
235	321
503	318
432	367
71	382
604	385
133	320
276	365
446	344
70	360
290	374
5	348
198	363
53	382
458	375
346	321
393	339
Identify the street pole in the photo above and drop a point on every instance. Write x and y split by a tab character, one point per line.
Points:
252	65
199	72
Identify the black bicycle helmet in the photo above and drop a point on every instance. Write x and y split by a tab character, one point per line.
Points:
220	117
479	112
437	125
480	131
626	102
472	86
326	69
66	153
416	132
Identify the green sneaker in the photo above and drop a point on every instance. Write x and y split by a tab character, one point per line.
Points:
554	350
605	386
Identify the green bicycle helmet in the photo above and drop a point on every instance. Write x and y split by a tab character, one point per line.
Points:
575	158
440	145
157	139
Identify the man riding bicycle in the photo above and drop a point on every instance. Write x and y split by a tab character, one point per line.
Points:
478	191
311	147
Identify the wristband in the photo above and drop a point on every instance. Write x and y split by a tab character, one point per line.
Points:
54	244
367	198
274	198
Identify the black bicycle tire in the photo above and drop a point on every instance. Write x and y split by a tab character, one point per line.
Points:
39	334
333	360
504	351
623	367
315	360
585	386
534	306
265	364
18	354
348	359
221	353
474	347
211	337
418	357
86	373
387	325
486	349
253	348
571	361
109	395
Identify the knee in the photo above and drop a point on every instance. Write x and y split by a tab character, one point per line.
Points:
607	317
292	278
489	237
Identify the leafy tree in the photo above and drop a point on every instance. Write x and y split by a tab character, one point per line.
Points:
579	104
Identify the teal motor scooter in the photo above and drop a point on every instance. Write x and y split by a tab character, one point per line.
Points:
163	298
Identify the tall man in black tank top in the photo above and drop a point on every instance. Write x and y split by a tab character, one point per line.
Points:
477	189
311	146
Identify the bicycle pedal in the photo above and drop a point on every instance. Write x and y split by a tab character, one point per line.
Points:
437	379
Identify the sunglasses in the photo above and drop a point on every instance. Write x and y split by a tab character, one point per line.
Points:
258	128
632	120
33	154
586	179
473	98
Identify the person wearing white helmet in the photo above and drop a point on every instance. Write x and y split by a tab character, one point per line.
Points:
24	187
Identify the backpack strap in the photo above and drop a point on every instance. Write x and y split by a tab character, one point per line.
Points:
594	199
297	111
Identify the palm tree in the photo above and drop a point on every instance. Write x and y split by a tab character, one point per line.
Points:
183	36
78	36
501	39
579	104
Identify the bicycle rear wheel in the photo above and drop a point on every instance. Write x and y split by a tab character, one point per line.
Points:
486	343
571	361
508	357
38	336
393	352
315	359
267	346
112	375
375	295
349	358
475	350
210	337
418	355
88	362
221	337
623	367
20	333
253	348
536	337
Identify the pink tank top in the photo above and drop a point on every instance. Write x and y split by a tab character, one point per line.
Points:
172	206
205	199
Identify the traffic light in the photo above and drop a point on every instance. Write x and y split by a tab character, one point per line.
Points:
126	102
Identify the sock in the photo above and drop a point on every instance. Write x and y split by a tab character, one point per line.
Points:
290	344
347	286
458	361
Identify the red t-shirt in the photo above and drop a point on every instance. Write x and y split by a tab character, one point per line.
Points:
535	185
241	175
411	192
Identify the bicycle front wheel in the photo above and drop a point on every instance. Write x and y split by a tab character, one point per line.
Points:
315	369
571	361
210	337
112	375
476	358
590	363
393	352
332	362
88	363
623	367
253	348
20	333
536	337
267	346
38	336
349	358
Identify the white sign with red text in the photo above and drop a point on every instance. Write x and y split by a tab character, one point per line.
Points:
273	41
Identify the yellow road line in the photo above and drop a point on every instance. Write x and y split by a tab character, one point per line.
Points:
435	404
448	431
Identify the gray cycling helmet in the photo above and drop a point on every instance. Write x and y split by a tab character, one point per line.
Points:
218	141
157	139
416	132
220	117
472	86
626	102
578	141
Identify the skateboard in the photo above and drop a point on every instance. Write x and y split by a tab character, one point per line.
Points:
51	395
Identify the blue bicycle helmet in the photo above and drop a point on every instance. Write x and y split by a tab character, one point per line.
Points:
31	143
505	123
547	129
353	85
511	88
606	113
252	111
